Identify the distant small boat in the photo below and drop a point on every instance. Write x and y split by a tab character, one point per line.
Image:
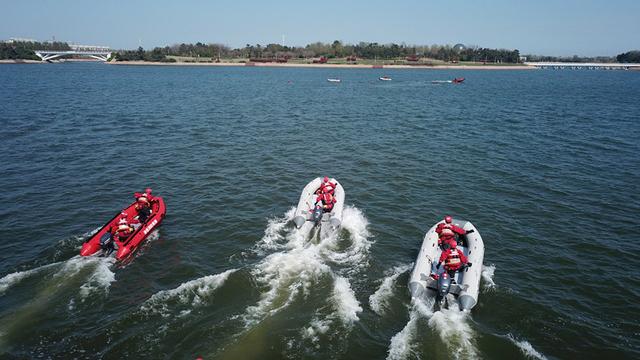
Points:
334	80
384	78
454	81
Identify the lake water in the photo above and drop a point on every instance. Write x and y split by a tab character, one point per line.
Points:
546	164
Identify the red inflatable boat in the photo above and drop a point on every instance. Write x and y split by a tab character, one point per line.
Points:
128	246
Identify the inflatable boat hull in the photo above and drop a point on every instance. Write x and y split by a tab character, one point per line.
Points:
465	292
133	242
303	217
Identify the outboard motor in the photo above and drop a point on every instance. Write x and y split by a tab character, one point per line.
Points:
317	215
444	284
107	244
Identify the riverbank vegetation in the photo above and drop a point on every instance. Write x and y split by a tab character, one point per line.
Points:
333	52
26	50
336	52
156	55
629	57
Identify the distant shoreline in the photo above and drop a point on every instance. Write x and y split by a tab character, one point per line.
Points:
331	66
21	61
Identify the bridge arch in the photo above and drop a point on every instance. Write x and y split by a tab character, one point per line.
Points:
102	53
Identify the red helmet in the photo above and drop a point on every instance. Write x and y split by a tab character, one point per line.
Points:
147	190
326	179
453	244
448	219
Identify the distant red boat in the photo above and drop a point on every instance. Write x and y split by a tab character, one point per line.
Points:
457	80
127	247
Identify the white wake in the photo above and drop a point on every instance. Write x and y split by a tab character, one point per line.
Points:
379	301
451	325
300	263
487	276
193	293
526	348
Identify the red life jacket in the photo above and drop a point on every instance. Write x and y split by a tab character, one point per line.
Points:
445	230
328	200
453	259
327	187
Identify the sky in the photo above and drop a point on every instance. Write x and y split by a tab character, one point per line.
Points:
545	27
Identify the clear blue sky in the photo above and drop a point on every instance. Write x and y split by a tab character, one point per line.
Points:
562	27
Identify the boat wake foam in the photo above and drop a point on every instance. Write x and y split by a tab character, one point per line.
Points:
526	348
273	239
379	301
193	293
345	309
487	276
355	258
292	271
298	264
451	325
316	328
347	306
14	278
100	279
74	242
401	346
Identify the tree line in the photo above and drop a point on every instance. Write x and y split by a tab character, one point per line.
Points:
25	50
573	59
336	49
629	57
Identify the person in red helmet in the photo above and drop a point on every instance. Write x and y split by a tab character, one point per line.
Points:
447	231
146	196
123	229
326	200
453	259
143	204
326	186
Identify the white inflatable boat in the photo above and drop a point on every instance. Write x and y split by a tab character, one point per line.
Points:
306	218
464	292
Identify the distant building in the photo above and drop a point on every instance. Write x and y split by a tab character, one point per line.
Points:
13	40
459	47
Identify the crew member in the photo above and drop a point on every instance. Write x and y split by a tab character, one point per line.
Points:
143	206
327	200
145	196
326	186
447	231
123	230
453	259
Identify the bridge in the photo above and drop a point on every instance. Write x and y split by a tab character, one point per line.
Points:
102	53
587	66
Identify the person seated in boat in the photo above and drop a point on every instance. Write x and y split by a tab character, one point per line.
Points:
453	259
143	206
145	196
123	229
326	186
447	231
326	200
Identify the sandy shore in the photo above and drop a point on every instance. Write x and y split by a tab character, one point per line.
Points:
333	66
20	61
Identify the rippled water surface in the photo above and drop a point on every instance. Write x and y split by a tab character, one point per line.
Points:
544	163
